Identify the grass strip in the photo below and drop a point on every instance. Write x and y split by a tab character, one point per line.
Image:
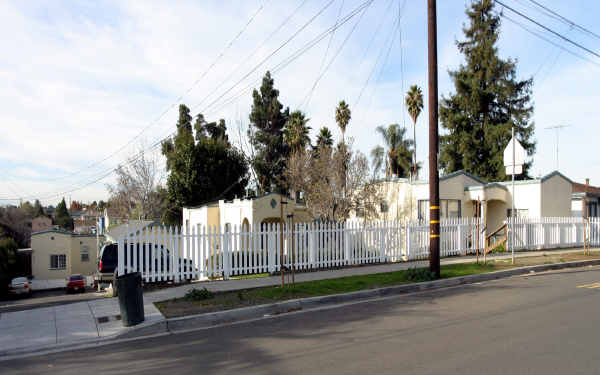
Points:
198	302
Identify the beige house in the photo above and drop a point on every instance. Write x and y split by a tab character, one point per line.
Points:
245	212
549	196
56	254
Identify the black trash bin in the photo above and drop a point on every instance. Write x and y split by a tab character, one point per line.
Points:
131	299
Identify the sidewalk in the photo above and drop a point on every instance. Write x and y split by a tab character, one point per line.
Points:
90	321
66	324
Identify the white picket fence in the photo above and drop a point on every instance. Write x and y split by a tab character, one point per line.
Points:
211	252
552	232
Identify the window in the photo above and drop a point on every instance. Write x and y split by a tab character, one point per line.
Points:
384	207
448	208
58	262
85	253
520	212
360	212
52	238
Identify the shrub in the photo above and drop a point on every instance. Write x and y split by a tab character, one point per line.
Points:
198	294
419	274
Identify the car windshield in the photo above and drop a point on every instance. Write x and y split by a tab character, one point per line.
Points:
75	277
19	280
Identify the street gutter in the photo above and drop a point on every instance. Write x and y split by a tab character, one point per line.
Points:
270	311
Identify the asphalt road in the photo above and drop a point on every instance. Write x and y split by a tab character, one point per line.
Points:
538	324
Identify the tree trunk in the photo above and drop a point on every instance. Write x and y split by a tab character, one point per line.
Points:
415	150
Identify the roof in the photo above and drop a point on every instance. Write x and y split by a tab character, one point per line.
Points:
581	188
463	173
537	180
248	198
131	226
60	231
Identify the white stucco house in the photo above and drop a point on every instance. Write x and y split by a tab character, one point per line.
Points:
548	196
245	212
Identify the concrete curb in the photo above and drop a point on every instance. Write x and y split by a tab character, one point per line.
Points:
207	320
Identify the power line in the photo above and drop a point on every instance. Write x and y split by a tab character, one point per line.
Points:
566	20
548	40
278	67
249	57
391	37
272	53
548	29
307	98
310	93
152	123
284	63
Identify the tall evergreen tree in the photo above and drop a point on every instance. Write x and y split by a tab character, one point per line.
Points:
201	168
269	119
38	210
488	101
63	219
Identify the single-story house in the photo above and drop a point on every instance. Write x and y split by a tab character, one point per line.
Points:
56	254
548	196
113	233
583	194
245	212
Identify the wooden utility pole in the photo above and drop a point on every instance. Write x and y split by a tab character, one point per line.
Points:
586	223
434	179
281	203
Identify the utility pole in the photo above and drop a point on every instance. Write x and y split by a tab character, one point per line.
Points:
281	262
557	128
434	178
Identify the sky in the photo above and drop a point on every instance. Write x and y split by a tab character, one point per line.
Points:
88	84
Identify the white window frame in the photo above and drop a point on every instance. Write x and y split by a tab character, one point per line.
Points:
59	265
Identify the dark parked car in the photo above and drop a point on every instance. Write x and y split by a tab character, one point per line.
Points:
108	262
75	283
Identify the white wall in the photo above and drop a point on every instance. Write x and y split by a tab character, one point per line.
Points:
528	196
195	216
235	212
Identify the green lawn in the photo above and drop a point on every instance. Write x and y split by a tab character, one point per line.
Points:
210	302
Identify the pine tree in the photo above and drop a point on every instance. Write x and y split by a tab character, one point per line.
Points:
63	219
488	101
269	120
202	168
38	210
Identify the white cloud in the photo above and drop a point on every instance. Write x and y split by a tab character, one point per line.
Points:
79	83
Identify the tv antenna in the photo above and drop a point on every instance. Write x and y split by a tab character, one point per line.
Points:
557	129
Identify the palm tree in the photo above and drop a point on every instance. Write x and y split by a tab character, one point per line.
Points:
378	156
398	150
295	132
342	117
324	138
414	104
